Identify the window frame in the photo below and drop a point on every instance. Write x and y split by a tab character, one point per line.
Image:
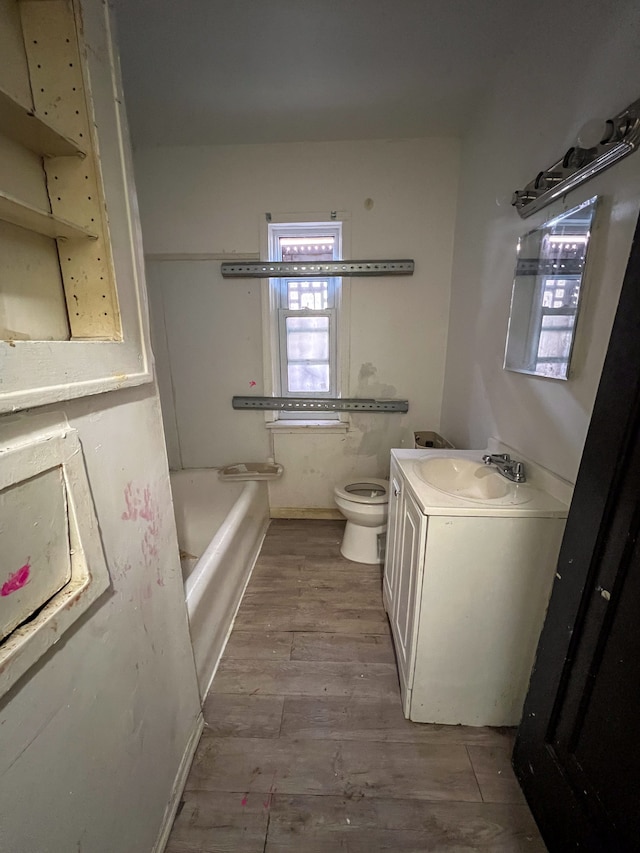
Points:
275	317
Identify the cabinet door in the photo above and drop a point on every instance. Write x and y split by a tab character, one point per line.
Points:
412	527
391	561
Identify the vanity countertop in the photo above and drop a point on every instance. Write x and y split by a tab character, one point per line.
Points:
543	495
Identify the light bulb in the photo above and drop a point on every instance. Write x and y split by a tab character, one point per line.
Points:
595	132
505	200
547	180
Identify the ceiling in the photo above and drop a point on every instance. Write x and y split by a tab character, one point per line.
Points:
201	72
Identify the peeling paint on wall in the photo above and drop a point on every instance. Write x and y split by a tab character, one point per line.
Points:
375	431
369	386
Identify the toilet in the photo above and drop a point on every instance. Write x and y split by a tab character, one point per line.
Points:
364	503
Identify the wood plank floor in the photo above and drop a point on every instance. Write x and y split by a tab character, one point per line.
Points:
306	749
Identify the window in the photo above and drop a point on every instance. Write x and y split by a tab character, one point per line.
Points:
305	313
559	303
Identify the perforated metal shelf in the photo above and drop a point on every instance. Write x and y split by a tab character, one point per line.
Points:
320	404
282	269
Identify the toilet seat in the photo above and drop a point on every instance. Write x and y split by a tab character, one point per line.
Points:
368	490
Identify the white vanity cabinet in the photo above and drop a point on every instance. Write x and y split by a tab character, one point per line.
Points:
403	571
466	593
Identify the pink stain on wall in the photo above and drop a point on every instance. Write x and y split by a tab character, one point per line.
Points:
140	504
132	501
17	580
148	510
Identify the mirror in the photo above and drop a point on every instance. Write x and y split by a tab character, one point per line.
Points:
547	287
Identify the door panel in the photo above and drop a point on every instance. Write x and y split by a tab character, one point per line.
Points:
577	752
392	550
595	733
412	539
605	741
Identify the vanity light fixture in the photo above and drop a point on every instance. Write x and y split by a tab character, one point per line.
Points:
600	143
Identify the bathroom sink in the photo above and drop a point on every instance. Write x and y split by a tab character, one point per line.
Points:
470	480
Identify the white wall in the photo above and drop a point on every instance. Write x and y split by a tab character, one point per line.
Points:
213	200
207	337
91	738
586	65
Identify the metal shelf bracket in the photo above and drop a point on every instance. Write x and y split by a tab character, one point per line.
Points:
320	404
284	269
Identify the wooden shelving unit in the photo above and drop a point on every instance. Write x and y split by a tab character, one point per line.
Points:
51	184
34	132
23	125
62	333
27	216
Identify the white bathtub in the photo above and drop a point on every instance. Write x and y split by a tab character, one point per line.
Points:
220	531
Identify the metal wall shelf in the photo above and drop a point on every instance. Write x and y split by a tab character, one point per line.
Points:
320	404
550	268
282	269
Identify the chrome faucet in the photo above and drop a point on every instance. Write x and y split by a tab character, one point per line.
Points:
507	466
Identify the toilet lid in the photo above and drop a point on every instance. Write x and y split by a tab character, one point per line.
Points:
368	490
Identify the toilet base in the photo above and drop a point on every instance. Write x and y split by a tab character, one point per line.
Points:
361	544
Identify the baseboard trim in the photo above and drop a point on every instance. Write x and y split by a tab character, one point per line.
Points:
178	786
306	512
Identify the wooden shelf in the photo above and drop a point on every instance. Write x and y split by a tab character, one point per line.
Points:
33	132
33	219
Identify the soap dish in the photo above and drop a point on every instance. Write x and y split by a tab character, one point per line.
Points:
251	471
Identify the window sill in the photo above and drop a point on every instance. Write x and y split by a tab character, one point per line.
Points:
292	426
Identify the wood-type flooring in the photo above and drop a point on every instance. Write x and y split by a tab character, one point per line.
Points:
305	748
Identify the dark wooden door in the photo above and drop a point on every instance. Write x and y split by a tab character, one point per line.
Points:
577	752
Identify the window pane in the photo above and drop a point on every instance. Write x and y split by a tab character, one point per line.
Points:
558	321
306	248
554	345
560	293
307	338
313	295
308	378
